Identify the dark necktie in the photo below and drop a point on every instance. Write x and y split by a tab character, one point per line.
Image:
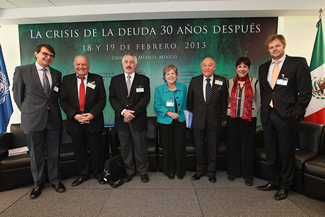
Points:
82	95
207	90
46	83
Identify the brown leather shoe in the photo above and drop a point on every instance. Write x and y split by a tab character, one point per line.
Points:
267	187
281	194
101	180
78	181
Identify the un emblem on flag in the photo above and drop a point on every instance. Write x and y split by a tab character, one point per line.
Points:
4	87
318	88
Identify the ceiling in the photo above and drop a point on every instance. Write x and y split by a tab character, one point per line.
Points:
56	11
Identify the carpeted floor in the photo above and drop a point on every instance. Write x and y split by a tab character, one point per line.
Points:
159	197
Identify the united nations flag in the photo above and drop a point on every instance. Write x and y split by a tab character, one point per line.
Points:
5	100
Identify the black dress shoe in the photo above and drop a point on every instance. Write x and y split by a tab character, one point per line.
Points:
101	180
249	182
129	177
180	177
281	194
36	192
212	179
196	176
144	178
59	187
78	181
231	178
171	176
267	187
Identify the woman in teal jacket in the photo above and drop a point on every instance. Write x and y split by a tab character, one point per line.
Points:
170	101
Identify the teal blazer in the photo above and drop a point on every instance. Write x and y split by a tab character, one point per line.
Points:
162	95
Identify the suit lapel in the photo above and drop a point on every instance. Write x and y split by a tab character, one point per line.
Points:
54	80
285	65
134	83
265	74
74	85
36	78
200	87
88	89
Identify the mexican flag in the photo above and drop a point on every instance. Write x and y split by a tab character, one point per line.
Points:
316	109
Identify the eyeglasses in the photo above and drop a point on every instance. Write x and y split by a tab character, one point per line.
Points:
46	54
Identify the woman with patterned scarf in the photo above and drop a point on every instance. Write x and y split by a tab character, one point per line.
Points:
243	104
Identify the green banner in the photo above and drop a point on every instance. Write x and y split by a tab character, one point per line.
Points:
156	43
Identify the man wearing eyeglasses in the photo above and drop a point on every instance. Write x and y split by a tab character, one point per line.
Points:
36	89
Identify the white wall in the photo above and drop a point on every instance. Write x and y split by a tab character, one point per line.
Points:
300	33
9	41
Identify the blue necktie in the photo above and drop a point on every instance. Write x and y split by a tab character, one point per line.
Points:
46	83
207	90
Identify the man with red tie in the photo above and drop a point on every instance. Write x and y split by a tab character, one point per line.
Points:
285	94
83	99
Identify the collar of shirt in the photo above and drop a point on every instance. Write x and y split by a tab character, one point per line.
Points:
79	82
204	79
269	76
281	60
132	76
40	73
86	77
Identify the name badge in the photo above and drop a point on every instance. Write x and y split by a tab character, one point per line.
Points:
218	82
56	89
170	103
139	90
282	81
92	84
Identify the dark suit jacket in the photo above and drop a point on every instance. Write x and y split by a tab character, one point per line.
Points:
291	100
212	113
95	102
137	101
32	101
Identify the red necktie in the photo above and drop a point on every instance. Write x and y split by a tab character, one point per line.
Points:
82	95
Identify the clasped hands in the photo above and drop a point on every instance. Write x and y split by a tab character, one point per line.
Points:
84	118
128	115
174	116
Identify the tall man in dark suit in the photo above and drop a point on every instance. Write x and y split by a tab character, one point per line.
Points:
83	99
36	90
129	95
285	94
207	100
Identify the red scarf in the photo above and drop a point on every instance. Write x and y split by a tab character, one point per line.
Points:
247	111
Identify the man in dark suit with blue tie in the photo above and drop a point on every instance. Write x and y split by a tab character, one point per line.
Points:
285	94
36	90
207	100
83	99
129	95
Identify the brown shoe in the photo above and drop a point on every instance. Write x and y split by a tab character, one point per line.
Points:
78	181
101	180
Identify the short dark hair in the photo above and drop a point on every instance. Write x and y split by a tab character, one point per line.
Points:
168	68
48	46
244	60
272	38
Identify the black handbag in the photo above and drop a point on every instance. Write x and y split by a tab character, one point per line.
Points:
114	170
